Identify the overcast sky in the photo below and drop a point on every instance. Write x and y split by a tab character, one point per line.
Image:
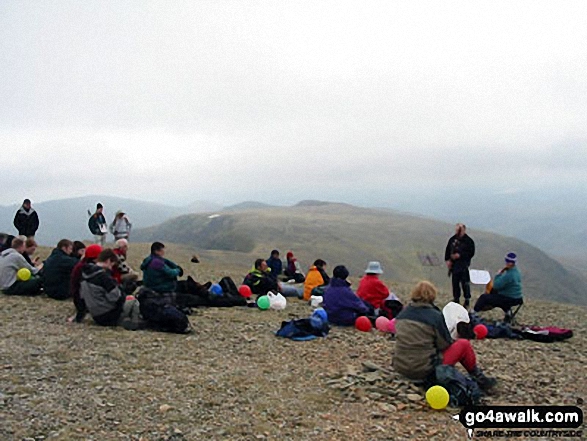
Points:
281	101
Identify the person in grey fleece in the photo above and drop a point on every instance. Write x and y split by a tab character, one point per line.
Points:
11	261
104	300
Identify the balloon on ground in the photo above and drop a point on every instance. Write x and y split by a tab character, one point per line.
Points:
437	397
363	324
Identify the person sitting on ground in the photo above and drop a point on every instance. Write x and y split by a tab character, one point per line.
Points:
259	279
11	261
57	270
97	225
159	273
123	273
371	289
102	296
30	247
120	226
5	241
423	341
505	291
90	255
293	270
26	220
316	277
78	249
261	282
340	302
274	262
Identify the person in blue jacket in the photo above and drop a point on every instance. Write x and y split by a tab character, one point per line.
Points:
506	290
274	262
341	304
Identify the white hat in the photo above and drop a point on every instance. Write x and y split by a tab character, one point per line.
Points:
374	268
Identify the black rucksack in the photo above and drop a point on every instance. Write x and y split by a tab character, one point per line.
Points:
228	286
160	311
462	389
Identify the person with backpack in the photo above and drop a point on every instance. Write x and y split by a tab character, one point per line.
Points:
458	254
157	296
90	255
120	226
505	290
26	220
57	271
97	225
317	277
259	279
11	261
340	302
423	341
107	305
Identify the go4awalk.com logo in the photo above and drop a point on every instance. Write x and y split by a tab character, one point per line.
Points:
528	422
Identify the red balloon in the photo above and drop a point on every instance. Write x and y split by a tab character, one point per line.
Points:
480	331
363	324
245	291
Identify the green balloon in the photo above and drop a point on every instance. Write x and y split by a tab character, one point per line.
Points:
263	302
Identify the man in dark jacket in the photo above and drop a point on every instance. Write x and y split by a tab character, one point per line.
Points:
160	274
58	267
103	298
98	226
458	254
260	280
26	220
274	262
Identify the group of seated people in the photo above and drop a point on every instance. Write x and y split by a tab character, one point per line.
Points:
101	283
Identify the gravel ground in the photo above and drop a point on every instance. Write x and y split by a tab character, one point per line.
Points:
233	379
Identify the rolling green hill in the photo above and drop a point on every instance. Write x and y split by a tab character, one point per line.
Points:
341	233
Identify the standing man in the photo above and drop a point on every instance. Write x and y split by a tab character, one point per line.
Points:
98	226
26	220
458	254
120	226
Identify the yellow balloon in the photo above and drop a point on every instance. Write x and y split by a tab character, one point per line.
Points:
23	274
437	397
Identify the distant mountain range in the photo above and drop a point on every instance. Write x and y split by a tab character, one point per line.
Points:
341	233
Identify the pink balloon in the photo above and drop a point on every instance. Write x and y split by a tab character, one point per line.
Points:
391	326
382	324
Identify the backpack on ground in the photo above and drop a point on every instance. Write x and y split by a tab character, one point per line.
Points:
548	334
160	311
228	286
462	389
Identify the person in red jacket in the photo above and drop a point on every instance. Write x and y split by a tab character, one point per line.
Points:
371	289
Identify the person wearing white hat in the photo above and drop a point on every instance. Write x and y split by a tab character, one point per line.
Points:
371	289
120	226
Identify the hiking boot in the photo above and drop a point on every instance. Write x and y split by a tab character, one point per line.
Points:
129	324
466	304
485	383
457	300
